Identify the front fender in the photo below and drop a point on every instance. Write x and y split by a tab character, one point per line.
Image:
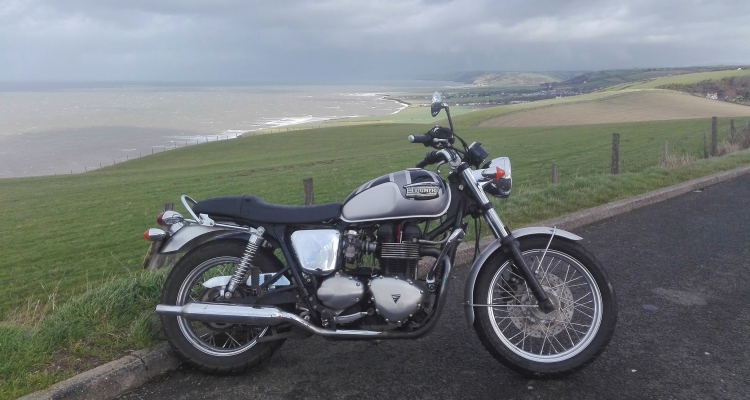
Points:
190	236
490	250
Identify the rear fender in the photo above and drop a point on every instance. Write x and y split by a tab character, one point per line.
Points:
490	250
190	236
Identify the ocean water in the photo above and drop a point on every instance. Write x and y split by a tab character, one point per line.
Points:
62	129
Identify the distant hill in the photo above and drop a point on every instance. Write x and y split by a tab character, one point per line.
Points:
611	107
637	78
502	78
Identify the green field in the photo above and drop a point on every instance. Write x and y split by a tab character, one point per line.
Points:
685	79
71	246
64	234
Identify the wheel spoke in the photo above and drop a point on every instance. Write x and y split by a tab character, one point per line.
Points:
531	334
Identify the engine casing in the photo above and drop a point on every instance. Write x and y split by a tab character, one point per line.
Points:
397	299
341	291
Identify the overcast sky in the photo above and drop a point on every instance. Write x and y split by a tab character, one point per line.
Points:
326	41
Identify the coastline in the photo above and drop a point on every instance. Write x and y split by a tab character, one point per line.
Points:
66	146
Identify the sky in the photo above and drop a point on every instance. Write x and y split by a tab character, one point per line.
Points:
342	40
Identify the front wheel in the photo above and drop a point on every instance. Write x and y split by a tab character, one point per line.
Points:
524	338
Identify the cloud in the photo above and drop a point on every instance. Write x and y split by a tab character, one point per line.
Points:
342	39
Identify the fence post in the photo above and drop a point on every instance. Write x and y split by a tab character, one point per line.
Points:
705	144
155	260
309	195
665	153
714	136
732	132
555	173
615	167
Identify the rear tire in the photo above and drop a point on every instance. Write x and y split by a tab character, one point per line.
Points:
546	345
219	349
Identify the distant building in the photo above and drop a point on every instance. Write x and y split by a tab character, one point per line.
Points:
712	96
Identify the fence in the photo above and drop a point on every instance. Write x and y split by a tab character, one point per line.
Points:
625	154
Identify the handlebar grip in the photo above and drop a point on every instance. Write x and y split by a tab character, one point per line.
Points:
419	139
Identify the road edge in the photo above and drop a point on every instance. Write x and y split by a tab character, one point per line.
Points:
130	372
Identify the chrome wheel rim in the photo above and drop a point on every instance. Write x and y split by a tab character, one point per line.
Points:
216	339
528	332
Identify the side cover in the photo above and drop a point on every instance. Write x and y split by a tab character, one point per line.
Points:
492	248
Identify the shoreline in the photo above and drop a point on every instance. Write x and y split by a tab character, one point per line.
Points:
172	142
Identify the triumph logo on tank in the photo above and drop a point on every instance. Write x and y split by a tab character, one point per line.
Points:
422	191
395	298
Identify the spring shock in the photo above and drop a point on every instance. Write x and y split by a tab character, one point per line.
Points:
247	259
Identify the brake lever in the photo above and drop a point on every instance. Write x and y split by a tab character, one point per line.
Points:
437	169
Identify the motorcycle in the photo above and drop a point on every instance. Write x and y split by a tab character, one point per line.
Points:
255	274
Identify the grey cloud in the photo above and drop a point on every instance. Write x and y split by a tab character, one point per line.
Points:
341	39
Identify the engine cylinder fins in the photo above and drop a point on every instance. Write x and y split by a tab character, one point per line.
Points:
400	250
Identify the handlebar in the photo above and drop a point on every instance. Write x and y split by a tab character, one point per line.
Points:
430	158
420	139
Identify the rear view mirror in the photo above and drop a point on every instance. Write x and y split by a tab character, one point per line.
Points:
437	104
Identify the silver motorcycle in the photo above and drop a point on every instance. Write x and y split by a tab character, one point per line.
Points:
378	266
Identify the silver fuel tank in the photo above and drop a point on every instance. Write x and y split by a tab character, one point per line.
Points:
413	193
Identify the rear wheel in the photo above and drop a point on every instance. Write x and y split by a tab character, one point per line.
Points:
216	348
520	335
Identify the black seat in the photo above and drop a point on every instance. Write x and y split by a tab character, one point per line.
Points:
254	209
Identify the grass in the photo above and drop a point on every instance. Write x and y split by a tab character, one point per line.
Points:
685	79
93	328
110	320
71	251
64	234
631	106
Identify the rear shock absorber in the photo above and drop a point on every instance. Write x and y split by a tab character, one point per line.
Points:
245	263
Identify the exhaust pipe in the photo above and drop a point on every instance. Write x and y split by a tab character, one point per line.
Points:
254	315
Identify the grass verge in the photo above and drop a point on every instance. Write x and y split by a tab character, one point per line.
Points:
106	322
91	329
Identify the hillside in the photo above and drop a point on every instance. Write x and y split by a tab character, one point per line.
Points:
628	106
685	79
502	79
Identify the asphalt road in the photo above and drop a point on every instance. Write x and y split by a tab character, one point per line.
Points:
681	270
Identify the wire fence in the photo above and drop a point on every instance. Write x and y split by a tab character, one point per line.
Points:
637	152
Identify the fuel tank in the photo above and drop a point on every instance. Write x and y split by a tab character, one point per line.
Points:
412	193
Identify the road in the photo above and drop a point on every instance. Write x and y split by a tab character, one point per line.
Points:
682	276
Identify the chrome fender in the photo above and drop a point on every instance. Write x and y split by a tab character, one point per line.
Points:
491	249
190	236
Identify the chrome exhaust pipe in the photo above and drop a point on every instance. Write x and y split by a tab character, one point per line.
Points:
256	315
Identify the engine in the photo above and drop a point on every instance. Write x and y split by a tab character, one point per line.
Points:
390	287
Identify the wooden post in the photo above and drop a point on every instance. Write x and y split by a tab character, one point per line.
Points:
309	194
705	144
615	167
665	153
555	173
154	259
732	132
714	137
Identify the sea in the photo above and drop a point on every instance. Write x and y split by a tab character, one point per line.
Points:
66	128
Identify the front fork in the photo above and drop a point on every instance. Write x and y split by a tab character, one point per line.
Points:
508	241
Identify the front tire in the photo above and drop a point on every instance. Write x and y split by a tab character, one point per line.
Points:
525	339
214	348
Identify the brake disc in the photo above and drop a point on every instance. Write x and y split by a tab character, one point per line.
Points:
535	323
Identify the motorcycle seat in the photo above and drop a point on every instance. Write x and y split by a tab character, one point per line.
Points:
254	209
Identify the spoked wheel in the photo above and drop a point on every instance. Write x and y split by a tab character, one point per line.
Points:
213	347
525	338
